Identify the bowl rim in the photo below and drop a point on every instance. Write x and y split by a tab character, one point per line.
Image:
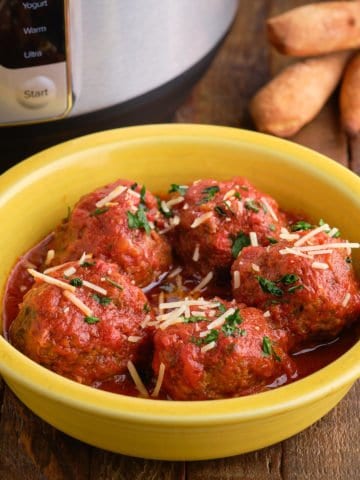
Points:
17	367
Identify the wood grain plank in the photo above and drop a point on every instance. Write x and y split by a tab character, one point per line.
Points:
354	152
222	96
110	466
330	448
30	449
263	464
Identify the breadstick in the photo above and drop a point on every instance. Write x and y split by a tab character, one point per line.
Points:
297	94
316	29
350	96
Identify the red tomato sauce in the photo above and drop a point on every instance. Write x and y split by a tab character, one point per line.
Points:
308	360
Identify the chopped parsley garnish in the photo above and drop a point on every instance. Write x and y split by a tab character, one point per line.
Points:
301	225
142	194
181	189
272	227
146	308
91	320
209	193
289	279
268	286
266	346
134	186
239	242
101	300
335	235
222	308
272	240
212	336
268	349
194	319
67	218
220	211
76	282
113	283
98	211
87	264
230	326
252	205
237	195
138	220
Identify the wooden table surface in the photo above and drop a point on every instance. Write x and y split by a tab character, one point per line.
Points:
32	450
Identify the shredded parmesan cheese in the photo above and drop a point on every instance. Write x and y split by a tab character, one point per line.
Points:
208	347
159	380
133	193
199	220
164	207
198	302
85	256
137	380
320	265
333	232
110	196
203	282
293	251
175	201
289	236
218	322
311	234
53	269
270	209
175	272
320	252
267	314
51	280
78	303
174	221
49	257
253	239
94	287
236	279
255	267
229	194
133	338
196	254
69	271
146	321
346	299
346	245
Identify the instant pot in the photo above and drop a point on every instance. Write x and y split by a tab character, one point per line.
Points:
69	67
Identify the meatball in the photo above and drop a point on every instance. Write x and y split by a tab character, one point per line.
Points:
117	223
87	342
224	351
216	219
308	287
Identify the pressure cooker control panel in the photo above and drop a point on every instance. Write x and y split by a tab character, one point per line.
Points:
34	68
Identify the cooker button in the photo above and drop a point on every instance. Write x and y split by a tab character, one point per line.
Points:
36	92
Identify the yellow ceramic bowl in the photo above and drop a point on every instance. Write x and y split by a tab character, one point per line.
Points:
34	197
